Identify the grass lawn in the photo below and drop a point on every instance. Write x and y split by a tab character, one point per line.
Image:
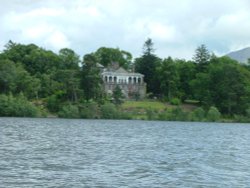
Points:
141	106
154	105
138	109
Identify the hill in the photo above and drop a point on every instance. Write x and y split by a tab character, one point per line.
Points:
241	55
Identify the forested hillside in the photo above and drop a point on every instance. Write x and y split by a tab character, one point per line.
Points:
38	82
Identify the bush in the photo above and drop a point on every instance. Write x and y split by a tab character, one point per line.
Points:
248	113
176	114
175	101
118	97
125	115
69	111
151	114
240	118
213	114
90	110
53	103
109	111
17	107
198	114
165	116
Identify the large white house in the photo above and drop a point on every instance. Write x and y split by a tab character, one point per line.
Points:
132	84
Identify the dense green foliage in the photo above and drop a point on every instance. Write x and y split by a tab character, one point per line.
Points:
17	106
33	79
106	56
118	96
213	81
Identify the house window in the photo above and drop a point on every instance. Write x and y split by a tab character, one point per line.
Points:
134	80
129	80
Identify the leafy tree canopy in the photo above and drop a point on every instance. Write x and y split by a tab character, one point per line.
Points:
106	56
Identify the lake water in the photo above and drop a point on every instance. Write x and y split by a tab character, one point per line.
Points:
109	153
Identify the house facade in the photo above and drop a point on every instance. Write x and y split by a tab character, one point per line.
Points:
132	84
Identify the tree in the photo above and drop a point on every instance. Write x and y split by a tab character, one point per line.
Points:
7	76
69	59
34	59
26	84
147	65
70	83
91	81
169	78
106	56
49	85
229	86
201	88
202	57
148	47
15	79
186	71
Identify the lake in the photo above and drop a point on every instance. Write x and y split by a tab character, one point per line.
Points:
113	153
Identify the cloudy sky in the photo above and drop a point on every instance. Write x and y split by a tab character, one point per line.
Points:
176	27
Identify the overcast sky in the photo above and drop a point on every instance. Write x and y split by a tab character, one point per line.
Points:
176	27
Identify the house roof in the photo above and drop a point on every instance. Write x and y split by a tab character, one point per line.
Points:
121	70
114	73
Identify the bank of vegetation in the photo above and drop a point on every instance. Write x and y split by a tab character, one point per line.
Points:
35	82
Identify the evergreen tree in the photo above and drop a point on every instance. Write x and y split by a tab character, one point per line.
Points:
147	65
202	57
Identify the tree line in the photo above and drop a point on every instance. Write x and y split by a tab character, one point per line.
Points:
211	81
65	84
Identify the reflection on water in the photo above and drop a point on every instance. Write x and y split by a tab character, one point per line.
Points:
102	153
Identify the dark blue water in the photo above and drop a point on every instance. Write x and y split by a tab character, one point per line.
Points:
100	153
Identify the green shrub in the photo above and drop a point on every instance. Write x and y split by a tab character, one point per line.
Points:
53	103
151	114
125	115
213	114
248	113
175	101
165	116
176	114
118	97
198	114
69	111
17	107
109	111
90	110
240	118
4	105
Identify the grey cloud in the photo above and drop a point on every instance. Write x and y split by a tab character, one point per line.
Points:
176	27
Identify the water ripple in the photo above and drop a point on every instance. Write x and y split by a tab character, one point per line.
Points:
101	153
